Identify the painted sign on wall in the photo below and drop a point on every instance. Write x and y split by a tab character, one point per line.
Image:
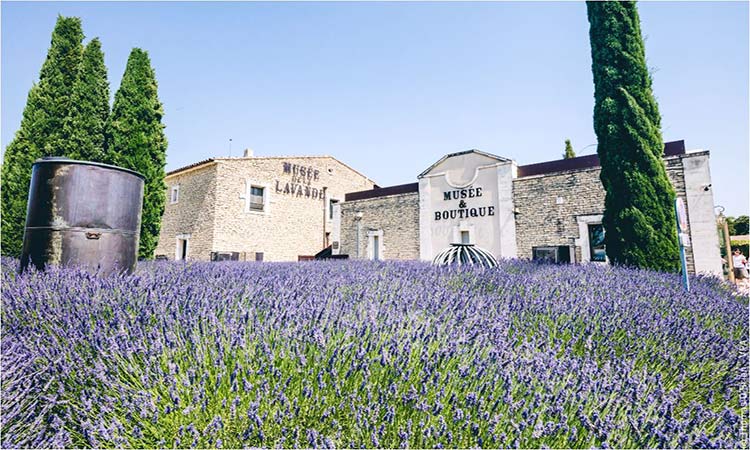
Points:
300	183
464	211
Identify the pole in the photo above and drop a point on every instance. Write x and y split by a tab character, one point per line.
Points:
683	260
728	245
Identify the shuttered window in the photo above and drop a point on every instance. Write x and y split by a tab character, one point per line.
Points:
256	198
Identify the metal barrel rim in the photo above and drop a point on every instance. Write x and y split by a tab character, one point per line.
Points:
64	160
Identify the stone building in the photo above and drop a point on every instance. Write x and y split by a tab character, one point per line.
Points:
254	208
550	210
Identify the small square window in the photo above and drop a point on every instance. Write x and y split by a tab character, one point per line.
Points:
464	237
174	196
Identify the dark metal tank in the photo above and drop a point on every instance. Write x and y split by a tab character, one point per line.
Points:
83	213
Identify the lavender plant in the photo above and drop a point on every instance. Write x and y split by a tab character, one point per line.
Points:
369	354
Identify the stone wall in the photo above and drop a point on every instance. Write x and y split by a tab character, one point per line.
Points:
296	214
193	214
213	208
548	206
396	215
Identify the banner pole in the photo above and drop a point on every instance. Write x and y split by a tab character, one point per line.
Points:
683	259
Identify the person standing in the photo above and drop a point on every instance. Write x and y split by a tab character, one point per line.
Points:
740	265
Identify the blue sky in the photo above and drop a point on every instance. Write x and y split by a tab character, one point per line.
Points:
389	88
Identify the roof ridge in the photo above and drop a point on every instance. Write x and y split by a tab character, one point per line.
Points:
238	158
464	152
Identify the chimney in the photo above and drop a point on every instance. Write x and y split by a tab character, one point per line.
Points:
248	153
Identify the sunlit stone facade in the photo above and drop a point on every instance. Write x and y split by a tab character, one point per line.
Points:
547	210
254	208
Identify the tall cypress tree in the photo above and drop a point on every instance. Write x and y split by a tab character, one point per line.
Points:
84	127
639	215
569	152
136	136
40	134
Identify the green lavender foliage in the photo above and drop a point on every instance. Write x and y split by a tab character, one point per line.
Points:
370	354
135	134
41	128
84	126
639	214
569	152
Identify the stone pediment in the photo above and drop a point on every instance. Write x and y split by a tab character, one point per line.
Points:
460	168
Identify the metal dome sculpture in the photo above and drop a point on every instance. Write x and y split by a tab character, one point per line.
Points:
465	254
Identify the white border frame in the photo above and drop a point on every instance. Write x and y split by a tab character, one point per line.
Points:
463	226
178	238
583	237
249	183
174	189
371	245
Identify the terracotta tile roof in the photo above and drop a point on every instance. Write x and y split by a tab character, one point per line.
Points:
190	166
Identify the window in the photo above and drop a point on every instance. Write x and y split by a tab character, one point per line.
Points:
596	242
590	239
375	244
331	202
463	234
544	254
256	198
557	254
182	248
174	195
376	247
259	256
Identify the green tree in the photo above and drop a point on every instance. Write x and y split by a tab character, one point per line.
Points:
639	216
40	134
84	127
569	153
136	136
738	226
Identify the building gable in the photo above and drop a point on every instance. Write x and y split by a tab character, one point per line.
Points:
460	163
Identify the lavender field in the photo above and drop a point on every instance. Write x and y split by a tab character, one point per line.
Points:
367	354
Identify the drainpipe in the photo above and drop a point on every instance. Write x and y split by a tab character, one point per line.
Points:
325	204
358	219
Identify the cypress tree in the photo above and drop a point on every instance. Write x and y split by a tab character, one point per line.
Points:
84	127
136	136
40	134
569	153
639	217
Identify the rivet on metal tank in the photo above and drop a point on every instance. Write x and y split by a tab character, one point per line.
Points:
83	213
